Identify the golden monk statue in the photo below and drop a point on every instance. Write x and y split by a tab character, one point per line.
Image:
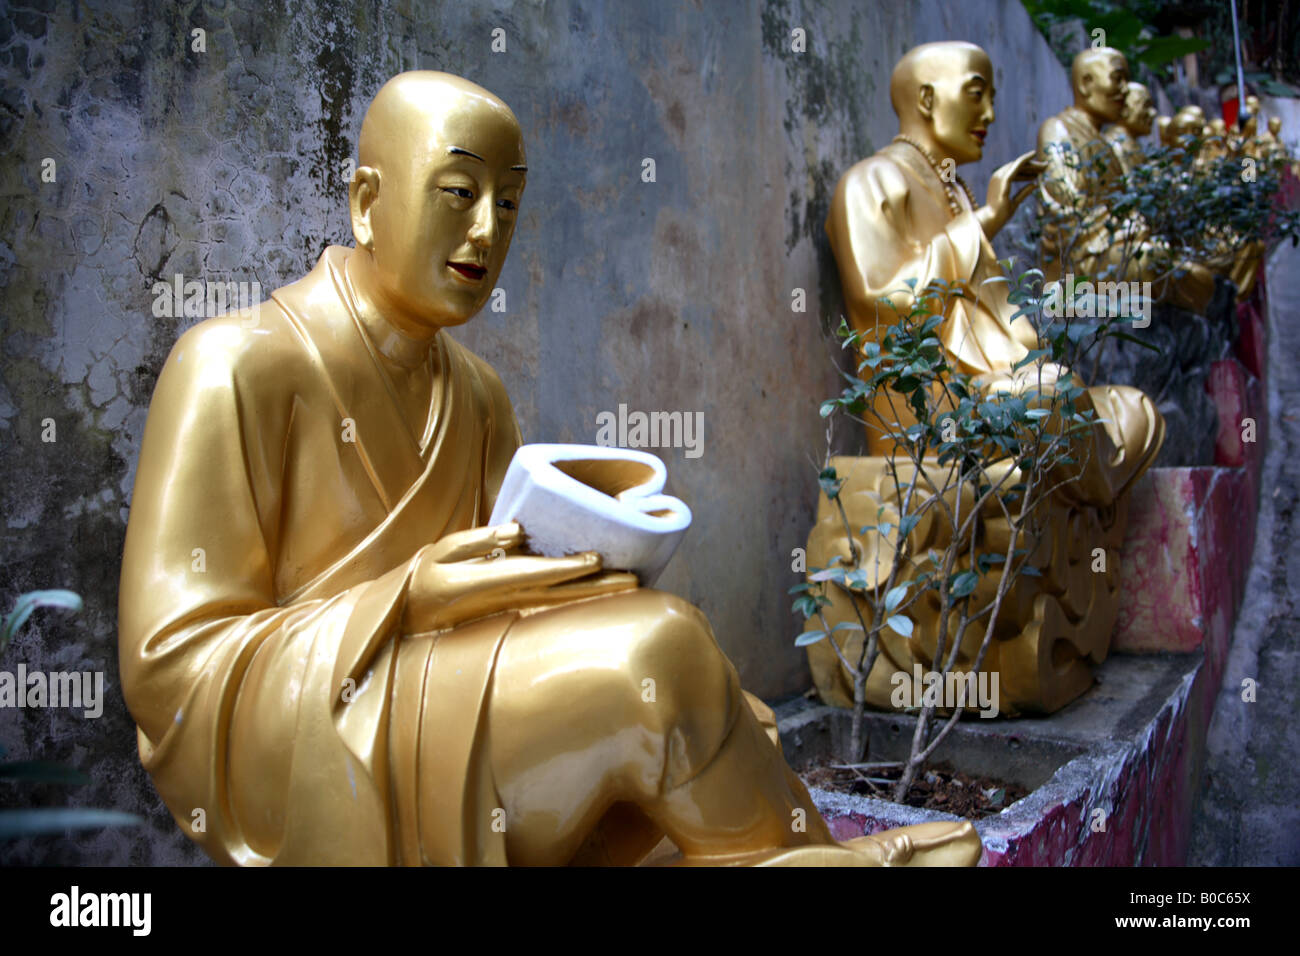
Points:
1274	150
331	661
1185	123
902	217
1125	136
1079	236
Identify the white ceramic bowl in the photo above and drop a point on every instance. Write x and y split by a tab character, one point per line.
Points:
573	498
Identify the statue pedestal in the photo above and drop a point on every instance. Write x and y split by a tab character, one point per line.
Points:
1051	630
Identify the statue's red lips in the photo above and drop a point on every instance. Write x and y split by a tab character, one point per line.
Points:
469	270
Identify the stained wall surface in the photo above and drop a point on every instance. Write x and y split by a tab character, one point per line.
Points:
132	156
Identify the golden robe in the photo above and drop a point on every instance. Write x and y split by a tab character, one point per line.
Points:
890	223
280	504
1126	146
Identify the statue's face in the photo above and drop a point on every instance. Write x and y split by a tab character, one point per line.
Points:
962	106
1104	85
1189	121
445	212
1139	111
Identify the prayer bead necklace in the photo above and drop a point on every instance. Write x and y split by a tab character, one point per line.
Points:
953	203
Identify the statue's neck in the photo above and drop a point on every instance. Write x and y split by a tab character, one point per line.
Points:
1082	114
919	134
395	345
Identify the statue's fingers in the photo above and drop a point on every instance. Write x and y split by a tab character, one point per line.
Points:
489	541
1029	166
520	572
610	582
483	603
1024	193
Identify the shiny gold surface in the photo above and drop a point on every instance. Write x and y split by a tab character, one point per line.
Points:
330	660
1135	122
892	221
1080	168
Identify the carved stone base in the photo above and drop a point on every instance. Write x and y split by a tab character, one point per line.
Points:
1051	629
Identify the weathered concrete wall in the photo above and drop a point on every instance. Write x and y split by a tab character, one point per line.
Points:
229	164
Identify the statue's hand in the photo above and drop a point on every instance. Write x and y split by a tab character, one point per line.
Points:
471	574
1002	202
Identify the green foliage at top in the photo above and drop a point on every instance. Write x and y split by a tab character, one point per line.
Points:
1130	27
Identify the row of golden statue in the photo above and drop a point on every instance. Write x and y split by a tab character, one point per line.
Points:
896	219
331	656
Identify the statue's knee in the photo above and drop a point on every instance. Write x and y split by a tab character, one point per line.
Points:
676	645
679	672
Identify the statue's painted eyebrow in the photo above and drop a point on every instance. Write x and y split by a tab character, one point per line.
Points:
460	151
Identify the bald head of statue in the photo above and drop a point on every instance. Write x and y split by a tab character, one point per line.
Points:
1099	77
1139	110
943	95
434	199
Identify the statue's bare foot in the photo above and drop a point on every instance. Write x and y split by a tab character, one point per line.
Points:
925	844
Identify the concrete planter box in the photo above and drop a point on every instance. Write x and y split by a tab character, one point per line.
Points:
1113	776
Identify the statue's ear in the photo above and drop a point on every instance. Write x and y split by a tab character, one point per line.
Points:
362	193
925	100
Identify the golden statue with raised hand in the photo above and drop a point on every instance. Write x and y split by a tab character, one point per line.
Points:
1135	122
331	661
899	221
1079	237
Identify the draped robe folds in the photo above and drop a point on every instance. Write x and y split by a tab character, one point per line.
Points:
1126	146
281	503
890	222
1081	165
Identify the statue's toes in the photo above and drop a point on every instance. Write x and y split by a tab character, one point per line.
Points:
935	844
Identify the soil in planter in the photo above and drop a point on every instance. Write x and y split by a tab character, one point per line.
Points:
938	788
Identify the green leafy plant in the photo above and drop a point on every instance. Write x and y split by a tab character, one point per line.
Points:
965	454
1132	27
1204	200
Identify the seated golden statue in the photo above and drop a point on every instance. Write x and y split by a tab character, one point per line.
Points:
331	661
1185	123
1079	236
1223	252
1272	149
1135	121
895	219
